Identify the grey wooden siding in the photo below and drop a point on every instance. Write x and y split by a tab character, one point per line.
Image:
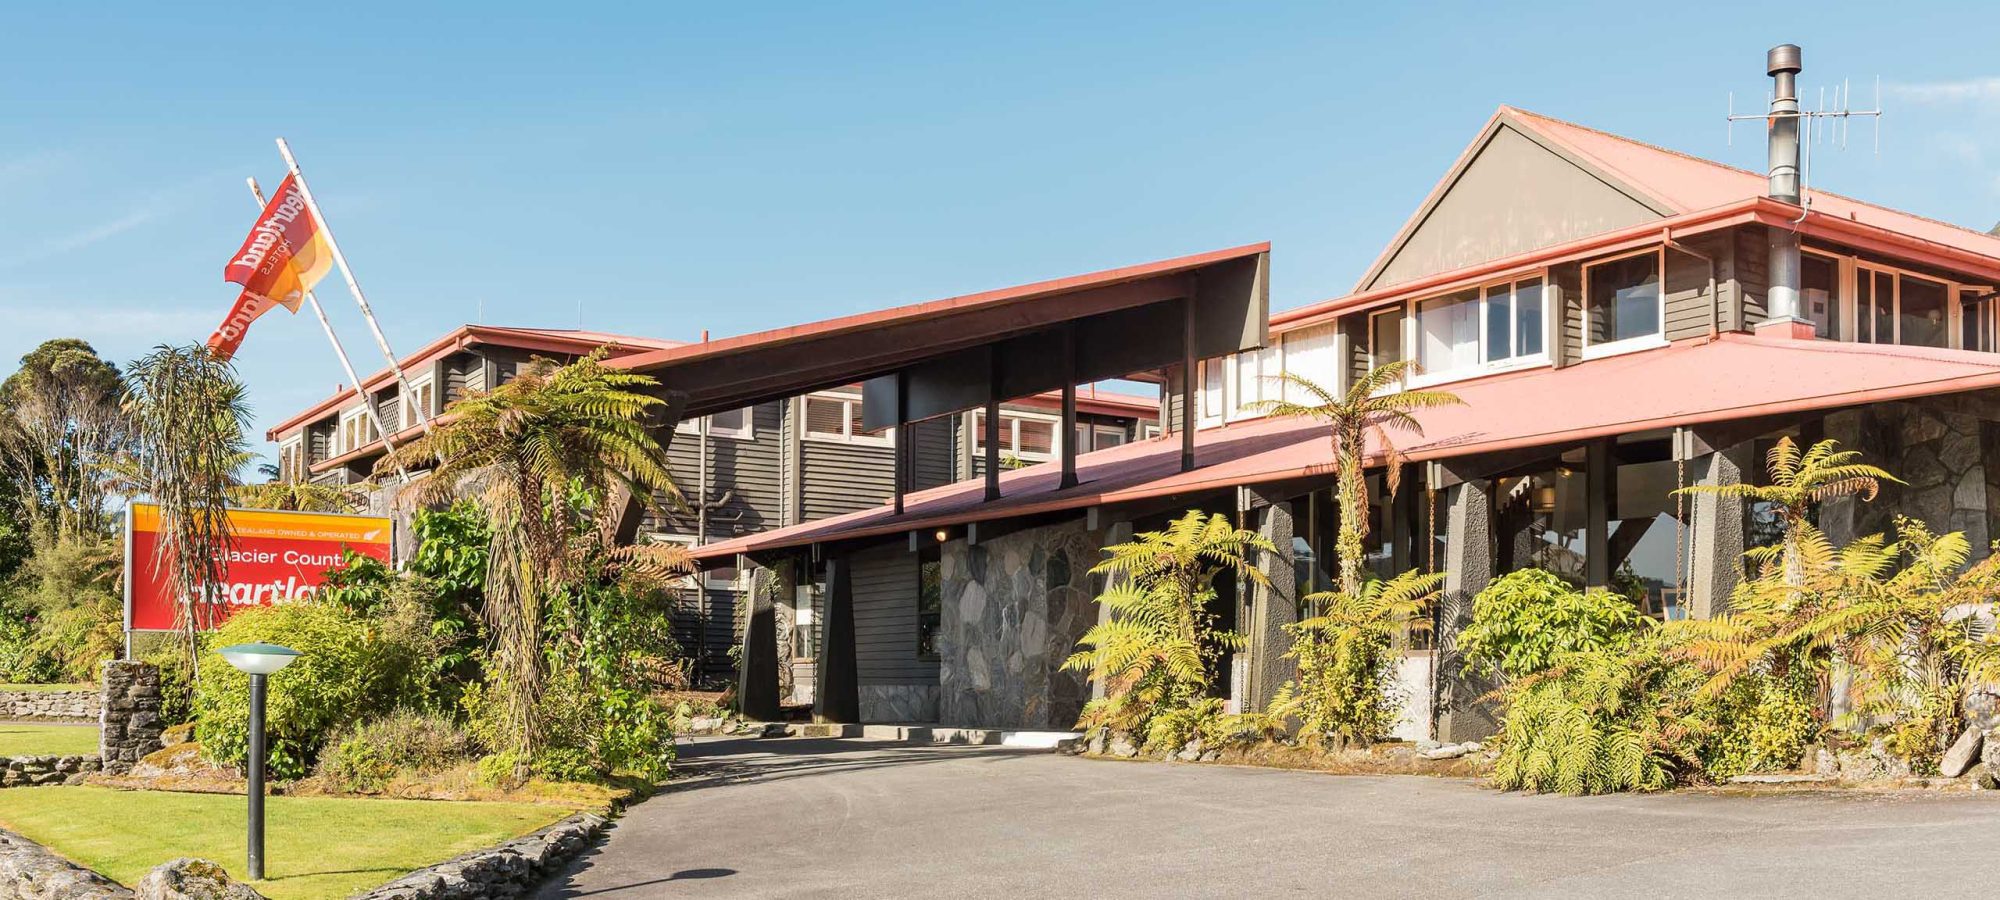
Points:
1752	274
745	479
1689	306
936	452
1568	279
842	478
462	372
319	441
885	618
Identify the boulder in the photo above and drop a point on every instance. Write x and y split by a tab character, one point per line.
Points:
192	879
1963	754
1448	751
1122	746
1191	752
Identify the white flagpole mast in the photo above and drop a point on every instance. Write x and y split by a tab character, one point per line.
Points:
354	287
374	409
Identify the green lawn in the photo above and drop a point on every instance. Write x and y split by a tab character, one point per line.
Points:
43	688
47	740
315	847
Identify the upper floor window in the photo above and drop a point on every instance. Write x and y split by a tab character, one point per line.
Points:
1448	333
732	423
1819	294
357	431
1311	354
1623	303
1514	320
1098	437
426	400
1466	331
1210	396
1022	436
292	461
837	417
1385	337
1899	308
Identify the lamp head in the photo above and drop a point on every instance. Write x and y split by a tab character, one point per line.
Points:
259	658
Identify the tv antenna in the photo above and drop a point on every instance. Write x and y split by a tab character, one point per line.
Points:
1822	124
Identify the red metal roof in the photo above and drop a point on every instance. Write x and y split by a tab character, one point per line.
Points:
1688	383
552	340
1696	195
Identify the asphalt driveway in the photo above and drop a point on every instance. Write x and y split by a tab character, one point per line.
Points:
790	818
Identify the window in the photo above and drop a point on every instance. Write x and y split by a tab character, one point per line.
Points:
357	430
930	599
1513	321
1309	354
1622	300
730	423
1149	431
1097	437
1210	395
1819	294
1021	436
1921	313
1448	333
1254	381
426	397
1976	319
837	417
1385	337
805	630
292	461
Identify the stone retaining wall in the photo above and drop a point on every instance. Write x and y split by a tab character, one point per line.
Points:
513	869
27	870
23	771
50	706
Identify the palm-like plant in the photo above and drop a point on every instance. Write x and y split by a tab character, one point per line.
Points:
1153	653
1345	692
300	496
1366	409
542	452
188	414
1801	481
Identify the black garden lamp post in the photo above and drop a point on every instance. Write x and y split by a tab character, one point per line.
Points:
258	661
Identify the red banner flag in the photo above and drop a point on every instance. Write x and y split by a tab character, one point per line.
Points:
284	256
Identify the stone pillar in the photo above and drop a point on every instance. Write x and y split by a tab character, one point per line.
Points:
757	677
1272	606
1717	530
837	688
129	719
1459	712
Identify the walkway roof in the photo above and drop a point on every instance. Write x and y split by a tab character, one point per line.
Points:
1734	377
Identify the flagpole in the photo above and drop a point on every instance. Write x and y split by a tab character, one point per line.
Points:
374	408
354	287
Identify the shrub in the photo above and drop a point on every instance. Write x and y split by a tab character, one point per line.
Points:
1526	621
1596	722
350	667
366	757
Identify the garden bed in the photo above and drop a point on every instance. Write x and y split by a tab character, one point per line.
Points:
316	847
1387	758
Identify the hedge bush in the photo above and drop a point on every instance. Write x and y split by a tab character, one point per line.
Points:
350	667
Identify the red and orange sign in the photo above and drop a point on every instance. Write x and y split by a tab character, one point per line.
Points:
278	557
284	256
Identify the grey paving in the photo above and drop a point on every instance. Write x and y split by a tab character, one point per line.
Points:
803	818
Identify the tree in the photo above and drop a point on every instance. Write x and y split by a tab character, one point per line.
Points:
542	453
1153	654
60	421
189	414
300	496
1799	482
1346	691
1365	410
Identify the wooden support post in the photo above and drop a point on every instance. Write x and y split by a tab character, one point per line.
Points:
1067	434
905	436
993	427
1189	375
837	695
1600	481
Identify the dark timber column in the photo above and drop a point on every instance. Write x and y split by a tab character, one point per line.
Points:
757	681
1468	568
1272	606
1600	480
837	692
993	428
1190	373
1068	434
905	439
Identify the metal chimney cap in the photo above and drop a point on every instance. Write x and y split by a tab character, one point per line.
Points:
1784	58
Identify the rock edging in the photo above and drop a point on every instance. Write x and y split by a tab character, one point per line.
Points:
28	869
50	706
19	771
511	869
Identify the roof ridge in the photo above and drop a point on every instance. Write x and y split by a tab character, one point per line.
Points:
1531	114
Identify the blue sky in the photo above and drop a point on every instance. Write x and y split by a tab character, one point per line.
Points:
671	168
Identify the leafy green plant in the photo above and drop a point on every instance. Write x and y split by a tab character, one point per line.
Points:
1156	650
1368	409
350	667
367	756
1597	722
1346	689
1526	621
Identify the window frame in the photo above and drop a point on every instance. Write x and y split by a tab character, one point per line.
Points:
409	405
748	431
1637	342
1010	431
1483	367
850	405
929	554
1857	268
369	432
